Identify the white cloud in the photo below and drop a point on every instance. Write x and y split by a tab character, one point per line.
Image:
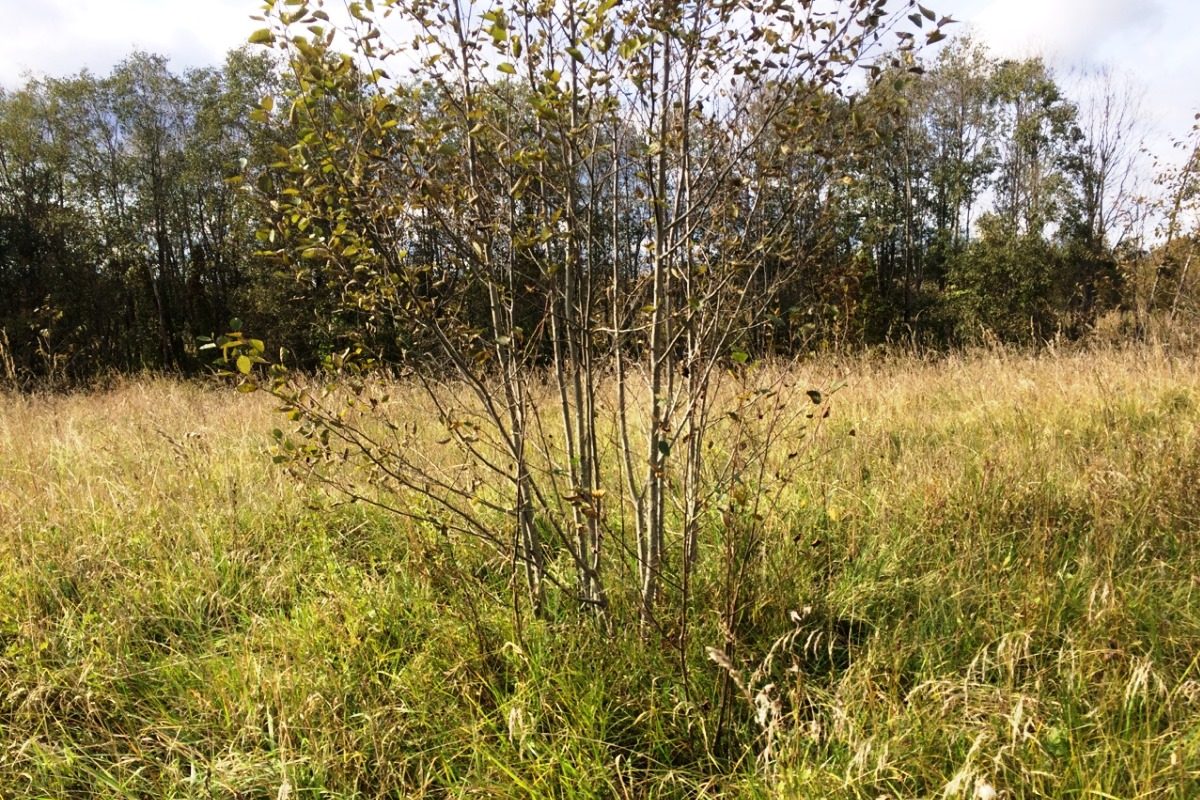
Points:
61	37
1149	43
1072	31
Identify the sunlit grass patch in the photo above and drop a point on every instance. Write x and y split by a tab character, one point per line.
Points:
993	582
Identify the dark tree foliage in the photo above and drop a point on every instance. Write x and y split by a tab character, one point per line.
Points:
959	198
121	239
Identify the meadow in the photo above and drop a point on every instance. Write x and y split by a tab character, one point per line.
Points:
990	590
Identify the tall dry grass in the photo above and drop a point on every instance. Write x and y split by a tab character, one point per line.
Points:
980	576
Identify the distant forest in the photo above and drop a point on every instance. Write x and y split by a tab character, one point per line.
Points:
956	200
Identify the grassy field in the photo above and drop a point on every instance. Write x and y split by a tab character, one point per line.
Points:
1003	557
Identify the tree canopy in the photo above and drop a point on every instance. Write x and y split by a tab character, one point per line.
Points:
946	199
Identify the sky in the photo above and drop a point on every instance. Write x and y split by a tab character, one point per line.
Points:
1152	43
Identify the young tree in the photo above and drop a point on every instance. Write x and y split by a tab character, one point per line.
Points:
575	190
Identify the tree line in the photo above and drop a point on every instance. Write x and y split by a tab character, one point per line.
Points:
953	198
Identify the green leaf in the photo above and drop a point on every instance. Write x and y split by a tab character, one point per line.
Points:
507	68
499	32
739	357
235	325
262	36
1056	742
244	364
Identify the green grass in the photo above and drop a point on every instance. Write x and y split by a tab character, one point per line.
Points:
1001	566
